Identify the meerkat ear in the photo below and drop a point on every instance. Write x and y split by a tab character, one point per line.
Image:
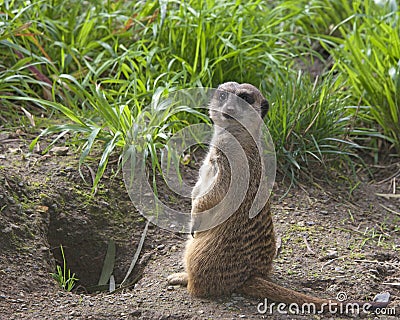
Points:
264	108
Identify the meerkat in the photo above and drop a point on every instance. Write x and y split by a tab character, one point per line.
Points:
228	253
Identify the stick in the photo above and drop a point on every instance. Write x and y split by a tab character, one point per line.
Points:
137	253
308	246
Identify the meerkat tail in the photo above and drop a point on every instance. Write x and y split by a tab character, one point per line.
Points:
263	288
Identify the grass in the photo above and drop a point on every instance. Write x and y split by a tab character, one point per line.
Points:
369	61
99	64
63	275
299	119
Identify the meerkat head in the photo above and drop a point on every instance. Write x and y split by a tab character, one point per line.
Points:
237	104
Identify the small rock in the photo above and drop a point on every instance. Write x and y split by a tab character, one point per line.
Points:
339	269
382	297
59	151
331	254
170	288
301	223
161	246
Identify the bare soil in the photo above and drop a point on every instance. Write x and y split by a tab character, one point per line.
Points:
337	236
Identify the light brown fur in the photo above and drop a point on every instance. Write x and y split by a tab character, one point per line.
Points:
235	255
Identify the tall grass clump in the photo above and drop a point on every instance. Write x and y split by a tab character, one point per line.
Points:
323	16
216	41
367	56
309	123
99	63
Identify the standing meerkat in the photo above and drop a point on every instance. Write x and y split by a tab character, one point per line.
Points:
230	251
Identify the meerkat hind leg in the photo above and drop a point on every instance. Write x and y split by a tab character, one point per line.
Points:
180	278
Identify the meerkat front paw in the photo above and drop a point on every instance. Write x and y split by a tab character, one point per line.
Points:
180	278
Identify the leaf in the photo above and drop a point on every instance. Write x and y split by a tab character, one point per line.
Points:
87	147
104	158
112	284
108	265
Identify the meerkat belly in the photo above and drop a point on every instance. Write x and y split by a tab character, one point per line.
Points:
207	175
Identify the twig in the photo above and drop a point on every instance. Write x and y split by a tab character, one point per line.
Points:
392	283
350	230
390	210
367	261
393	265
390	178
388	195
332	260
137	253
308	246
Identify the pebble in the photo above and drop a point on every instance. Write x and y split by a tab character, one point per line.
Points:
332	254
59	151
339	269
382	297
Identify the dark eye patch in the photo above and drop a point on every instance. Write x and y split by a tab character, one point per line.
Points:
246	97
222	96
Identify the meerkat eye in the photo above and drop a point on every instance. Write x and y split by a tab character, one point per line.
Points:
246	97
222	96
